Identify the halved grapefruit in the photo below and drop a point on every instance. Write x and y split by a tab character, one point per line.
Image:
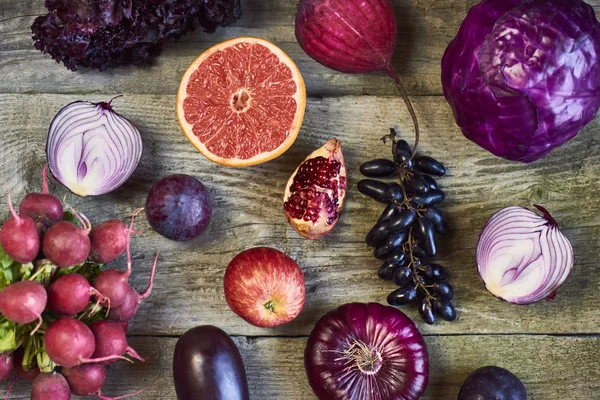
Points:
242	102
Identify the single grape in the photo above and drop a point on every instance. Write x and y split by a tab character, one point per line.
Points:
382	252
443	290
428	165
395	192
436	272
386	271
388	213
445	309
396	240
431	198
378	234
431	182
426	236
403	276
379	168
439	223
417	184
402	296
402	152
426	312
179	207
397	258
402	220
374	189
418	251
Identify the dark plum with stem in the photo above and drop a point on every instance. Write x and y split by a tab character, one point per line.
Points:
405	233
179	207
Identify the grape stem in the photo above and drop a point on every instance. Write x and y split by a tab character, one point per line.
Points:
413	266
407	203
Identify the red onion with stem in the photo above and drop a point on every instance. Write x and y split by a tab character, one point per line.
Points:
352	36
523	257
366	352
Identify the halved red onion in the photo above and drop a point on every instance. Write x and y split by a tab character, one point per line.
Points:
91	149
366	352
523	257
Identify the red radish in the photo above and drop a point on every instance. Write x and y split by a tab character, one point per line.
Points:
108	240
111	340
66	244
129	307
352	36
85	379
71	294
50	386
88	379
113	283
6	366
69	342
19	237
314	195
28	375
44	207
23	302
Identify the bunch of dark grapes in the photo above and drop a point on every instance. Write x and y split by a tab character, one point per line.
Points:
405	234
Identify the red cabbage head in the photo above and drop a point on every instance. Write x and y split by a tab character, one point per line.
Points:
523	76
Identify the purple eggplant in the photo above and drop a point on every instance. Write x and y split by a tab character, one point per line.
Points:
207	365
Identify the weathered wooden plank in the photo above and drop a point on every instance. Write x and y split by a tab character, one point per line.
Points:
425	28
340	268
562	368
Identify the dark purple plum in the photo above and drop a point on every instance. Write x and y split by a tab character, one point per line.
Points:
492	383
179	207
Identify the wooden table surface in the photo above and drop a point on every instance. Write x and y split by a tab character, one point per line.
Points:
553	346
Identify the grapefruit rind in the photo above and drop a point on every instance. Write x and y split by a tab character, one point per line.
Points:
299	97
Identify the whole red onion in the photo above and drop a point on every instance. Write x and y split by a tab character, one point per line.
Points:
366	352
352	36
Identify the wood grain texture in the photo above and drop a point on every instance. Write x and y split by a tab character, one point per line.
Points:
340	268
425	28
551	368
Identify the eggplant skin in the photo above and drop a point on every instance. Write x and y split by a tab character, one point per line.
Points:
207	365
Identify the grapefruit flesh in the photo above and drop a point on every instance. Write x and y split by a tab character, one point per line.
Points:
242	102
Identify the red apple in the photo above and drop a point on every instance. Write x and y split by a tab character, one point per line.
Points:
265	287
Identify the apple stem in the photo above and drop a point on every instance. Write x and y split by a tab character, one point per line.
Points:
270	305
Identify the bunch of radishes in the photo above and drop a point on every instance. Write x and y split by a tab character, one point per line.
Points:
62	319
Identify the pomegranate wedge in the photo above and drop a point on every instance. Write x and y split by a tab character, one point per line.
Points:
315	193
